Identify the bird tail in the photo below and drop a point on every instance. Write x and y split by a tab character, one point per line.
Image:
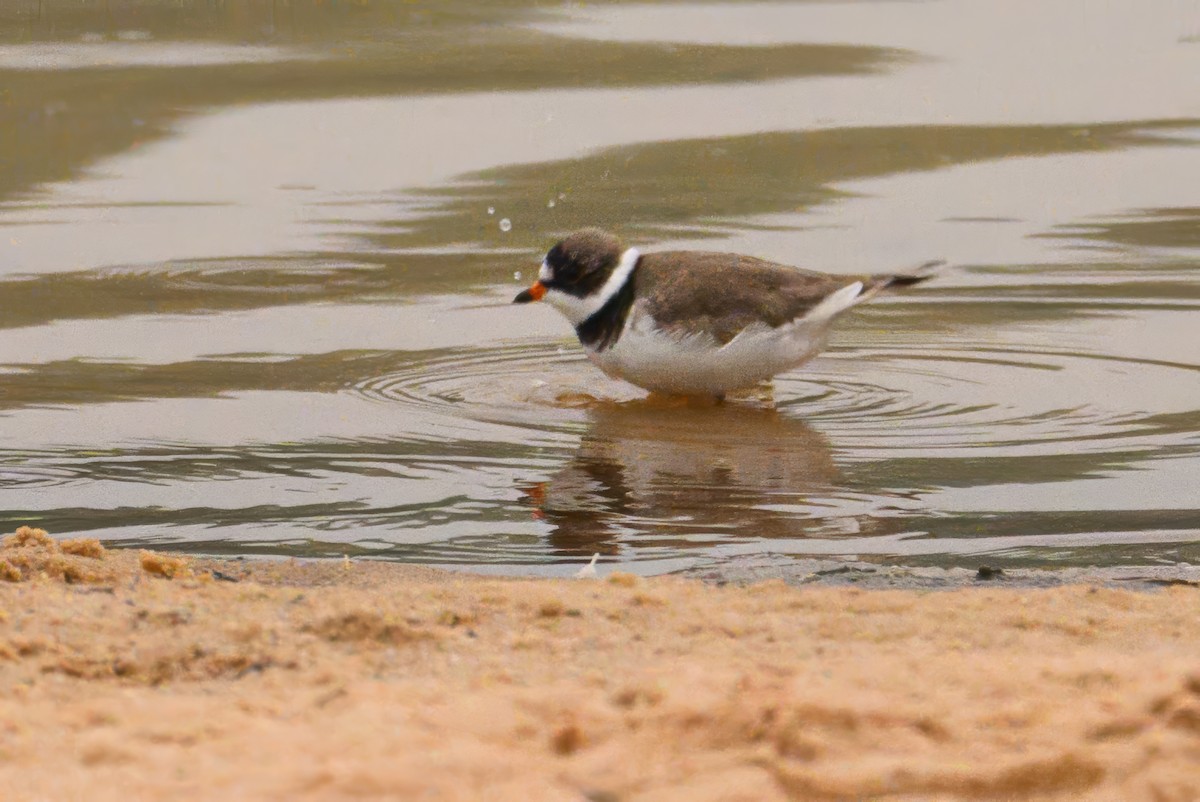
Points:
907	278
868	287
873	285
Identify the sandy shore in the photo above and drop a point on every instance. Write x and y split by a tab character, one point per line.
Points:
131	675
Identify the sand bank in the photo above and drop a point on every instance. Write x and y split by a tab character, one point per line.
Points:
131	675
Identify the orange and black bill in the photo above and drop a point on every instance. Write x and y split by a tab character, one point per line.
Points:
534	293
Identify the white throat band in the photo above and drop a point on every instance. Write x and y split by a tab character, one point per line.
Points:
578	310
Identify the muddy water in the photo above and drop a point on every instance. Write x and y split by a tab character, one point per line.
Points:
255	278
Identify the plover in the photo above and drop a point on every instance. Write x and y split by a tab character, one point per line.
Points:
695	323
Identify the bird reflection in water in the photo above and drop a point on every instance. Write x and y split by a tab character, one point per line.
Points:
657	474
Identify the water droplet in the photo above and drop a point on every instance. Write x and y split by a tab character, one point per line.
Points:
506	225
491	210
517	275
550	204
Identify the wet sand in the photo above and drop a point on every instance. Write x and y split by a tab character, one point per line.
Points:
132	675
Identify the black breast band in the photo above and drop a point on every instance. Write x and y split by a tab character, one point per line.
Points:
602	330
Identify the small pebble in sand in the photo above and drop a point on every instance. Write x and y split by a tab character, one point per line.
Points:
551	608
164	566
83	547
30	536
9	572
567	739
624	580
31	553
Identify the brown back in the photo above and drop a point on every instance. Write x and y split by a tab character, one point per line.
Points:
722	293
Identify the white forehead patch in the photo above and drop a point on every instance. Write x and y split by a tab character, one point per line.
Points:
545	273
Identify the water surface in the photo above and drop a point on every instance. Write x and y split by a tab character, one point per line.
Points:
255	280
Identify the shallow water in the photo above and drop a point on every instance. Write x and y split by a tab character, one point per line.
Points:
255	280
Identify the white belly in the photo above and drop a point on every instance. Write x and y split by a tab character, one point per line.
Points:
699	365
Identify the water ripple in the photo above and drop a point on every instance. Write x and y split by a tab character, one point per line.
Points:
544	386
